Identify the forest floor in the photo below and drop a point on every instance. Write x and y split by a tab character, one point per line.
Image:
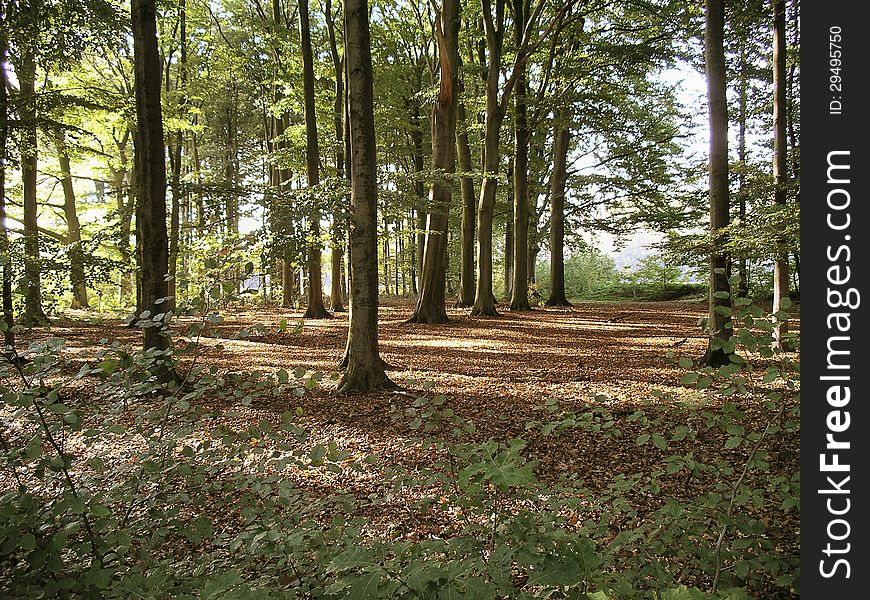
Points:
496	373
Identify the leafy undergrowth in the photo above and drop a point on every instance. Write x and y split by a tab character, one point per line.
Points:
572	453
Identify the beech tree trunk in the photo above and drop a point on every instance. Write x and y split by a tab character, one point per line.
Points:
123	182
419	188
780	153
364	368
742	98
34	314
509	246
484	300
152	235
5	254
519	298
336	293
73	227
315	309
558	181
719	301
431	301
469	203
175	153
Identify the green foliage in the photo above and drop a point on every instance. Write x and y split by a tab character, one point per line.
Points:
153	488
586	274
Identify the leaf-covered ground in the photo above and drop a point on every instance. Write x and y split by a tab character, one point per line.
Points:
497	373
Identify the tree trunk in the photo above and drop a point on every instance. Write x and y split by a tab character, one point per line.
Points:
336	297
151	171
123	181
509	249
519	299
484	299
175	152
719	302
73	227
5	254
431	301
365	369
34	314
469	203
174	216
558	181
419	187
742	99
780	169
315	309
386	257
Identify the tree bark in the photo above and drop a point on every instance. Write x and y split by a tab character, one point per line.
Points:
151	172
365	369
469	203
719	302
742	99
419	187
336	297
73	227
780	168
431	301
34	314
175	153
315	309
484	300
123	181
519	298
558	181
5	253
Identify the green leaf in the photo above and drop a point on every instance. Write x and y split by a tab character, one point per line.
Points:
363	587
108	365
683	593
689	378
659	442
557	571
642	439
27	542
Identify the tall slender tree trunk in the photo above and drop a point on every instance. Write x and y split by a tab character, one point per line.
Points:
315	309
780	154
8	315
719	303
175	154
558	182
365	370
469	217
742	99
73	227
519	299
152	235
509	246
123	181
34	314
386	257
484	300
336	294
431	301
497	95
419	188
